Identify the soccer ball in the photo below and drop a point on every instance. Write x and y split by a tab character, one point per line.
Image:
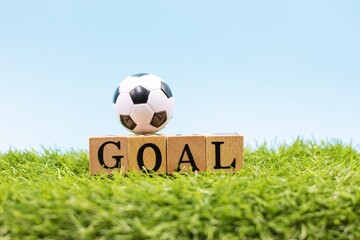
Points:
143	103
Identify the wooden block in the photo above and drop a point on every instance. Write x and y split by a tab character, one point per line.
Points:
147	153
185	153
108	154
166	154
224	152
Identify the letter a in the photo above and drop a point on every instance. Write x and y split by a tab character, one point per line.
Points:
190	157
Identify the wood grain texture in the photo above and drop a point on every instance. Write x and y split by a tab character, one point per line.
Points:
108	154
186	153
166	154
147	153
224	152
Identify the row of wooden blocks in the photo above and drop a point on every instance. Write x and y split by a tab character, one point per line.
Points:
166	153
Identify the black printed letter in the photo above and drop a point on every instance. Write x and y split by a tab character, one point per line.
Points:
191	159
218	155
140	157
101	155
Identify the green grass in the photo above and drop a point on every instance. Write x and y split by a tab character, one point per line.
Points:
297	191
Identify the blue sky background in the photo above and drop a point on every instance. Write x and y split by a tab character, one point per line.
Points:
271	70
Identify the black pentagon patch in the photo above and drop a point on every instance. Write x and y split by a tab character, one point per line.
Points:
127	122
166	89
158	119
139	74
139	95
116	95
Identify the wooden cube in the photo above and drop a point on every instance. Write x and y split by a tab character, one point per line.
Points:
147	153
185	153
224	152
166	154
108	154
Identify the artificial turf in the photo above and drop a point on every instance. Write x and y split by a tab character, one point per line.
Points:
301	190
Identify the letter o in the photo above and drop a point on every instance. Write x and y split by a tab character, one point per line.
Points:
158	157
